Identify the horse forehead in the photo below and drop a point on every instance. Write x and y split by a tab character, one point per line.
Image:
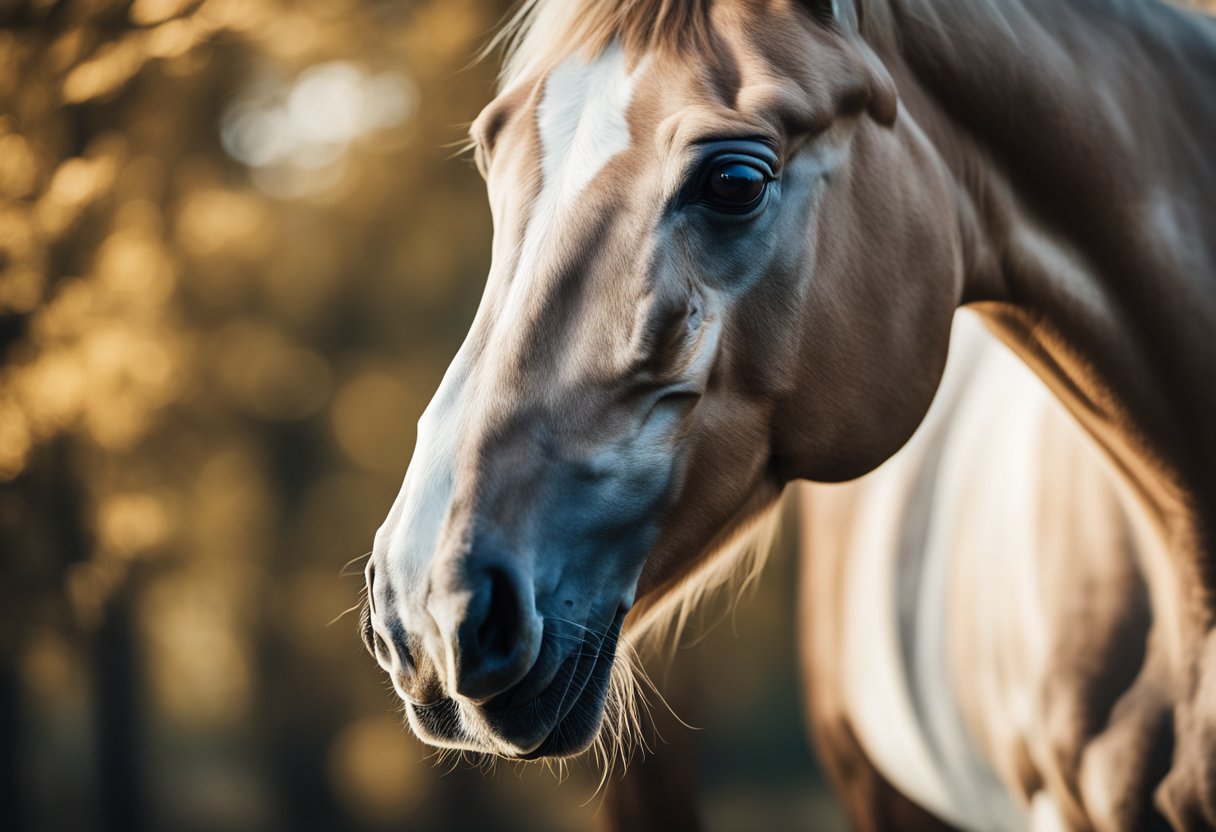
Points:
581	123
582	119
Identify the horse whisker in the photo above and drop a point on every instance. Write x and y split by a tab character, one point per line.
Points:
342	573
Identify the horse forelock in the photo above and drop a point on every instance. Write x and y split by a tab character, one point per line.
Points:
541	33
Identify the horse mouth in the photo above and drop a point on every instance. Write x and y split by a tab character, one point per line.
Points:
581	707
572	702
566	693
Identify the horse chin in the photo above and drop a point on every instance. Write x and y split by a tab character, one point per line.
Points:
565	741
575	732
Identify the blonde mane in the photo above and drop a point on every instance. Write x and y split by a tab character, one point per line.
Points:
541	33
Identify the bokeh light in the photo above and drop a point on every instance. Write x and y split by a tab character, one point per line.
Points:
295	134
372	766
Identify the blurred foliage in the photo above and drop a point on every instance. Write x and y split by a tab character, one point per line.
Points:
235	257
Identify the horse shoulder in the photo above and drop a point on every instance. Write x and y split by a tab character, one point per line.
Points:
976	608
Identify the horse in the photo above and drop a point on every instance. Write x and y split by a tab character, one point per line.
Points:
730	239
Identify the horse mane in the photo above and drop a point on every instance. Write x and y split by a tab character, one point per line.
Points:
541	33
944	20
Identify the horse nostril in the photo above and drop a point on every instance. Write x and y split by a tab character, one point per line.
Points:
495	636
393	652
371	639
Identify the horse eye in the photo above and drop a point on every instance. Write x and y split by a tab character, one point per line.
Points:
734	187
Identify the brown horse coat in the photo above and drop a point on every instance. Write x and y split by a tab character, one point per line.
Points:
730	239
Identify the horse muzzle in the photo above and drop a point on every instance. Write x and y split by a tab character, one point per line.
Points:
483	669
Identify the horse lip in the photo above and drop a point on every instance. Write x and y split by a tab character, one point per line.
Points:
534	753
571	697
540	679
570	701
509	704
554	682
528	689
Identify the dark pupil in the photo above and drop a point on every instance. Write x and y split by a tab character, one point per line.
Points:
736	183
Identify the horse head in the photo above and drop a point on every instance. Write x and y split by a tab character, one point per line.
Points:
722	261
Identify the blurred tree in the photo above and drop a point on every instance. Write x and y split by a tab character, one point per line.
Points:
189	365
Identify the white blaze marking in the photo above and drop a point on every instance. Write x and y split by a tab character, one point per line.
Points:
416	522
582	121
582	125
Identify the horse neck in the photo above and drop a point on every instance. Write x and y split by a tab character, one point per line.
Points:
1079	134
